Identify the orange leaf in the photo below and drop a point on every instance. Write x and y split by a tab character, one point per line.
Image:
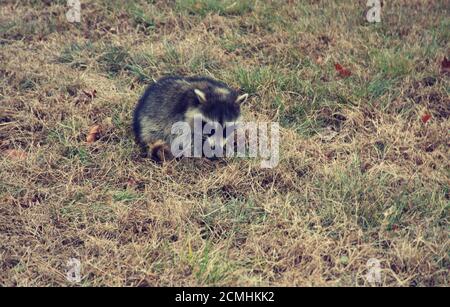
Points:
94	134
15	154
426	117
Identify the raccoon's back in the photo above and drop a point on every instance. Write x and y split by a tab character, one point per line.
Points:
157	108
173	94
165	91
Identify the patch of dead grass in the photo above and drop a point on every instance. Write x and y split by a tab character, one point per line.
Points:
360	176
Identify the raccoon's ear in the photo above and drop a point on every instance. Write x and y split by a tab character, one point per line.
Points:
200	95
241	99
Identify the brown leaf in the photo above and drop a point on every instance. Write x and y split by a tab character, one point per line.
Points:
16	154
94	134
86	96
91	94
131	182
319	60
445	66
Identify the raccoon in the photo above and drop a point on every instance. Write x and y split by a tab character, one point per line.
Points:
173	99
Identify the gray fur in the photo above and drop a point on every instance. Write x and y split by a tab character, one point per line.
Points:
173	99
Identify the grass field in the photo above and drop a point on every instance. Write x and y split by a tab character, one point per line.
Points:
364	166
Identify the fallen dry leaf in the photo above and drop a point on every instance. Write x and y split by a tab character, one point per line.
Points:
91	94
319	60
445	66
94	134
426	117
343	72
16	154
131	182
86	96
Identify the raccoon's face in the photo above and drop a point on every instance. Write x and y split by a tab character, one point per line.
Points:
219	104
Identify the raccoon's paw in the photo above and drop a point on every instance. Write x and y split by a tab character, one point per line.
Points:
160	151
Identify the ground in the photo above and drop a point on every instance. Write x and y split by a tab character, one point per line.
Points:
364	166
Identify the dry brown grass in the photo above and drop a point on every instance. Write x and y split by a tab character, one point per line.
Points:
360	175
